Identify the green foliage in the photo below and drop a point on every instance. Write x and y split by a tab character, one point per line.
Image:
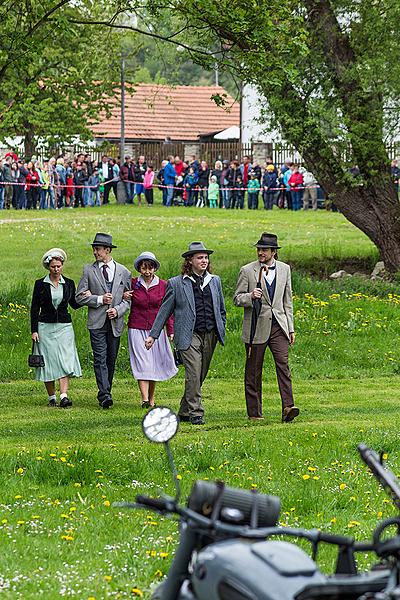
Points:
56	75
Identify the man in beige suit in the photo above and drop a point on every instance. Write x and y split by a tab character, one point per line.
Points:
274	325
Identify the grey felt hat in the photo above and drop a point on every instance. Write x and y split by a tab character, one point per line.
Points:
146	256
103	239
196	248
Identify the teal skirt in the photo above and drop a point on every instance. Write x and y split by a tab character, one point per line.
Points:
57	344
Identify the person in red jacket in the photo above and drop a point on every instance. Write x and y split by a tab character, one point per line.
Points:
296	188
146	295
32	187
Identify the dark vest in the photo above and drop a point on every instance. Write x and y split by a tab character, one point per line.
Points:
205	319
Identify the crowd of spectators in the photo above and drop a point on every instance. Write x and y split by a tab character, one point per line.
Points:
79	182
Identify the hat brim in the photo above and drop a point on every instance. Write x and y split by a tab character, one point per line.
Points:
191	252
137	263
267	246
104	245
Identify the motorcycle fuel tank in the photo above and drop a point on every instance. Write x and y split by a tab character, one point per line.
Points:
239	570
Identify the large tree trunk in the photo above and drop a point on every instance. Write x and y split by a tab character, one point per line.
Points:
376	211
29	143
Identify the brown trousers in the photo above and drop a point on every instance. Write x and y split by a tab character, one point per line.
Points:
279	345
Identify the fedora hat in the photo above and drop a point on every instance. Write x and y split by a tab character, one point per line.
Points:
196	248
146	256
103	239
267	240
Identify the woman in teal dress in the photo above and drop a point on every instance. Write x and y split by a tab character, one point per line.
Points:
51	327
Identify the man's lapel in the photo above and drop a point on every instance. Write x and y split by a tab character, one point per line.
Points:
188	288
278	282
99	276
117	278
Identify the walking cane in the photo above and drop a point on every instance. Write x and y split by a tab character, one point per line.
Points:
257	302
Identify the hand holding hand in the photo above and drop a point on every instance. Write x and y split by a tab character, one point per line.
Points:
256	293
107	298
35	336
86	294
148	342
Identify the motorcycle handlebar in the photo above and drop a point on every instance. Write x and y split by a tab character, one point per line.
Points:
159	504
386	478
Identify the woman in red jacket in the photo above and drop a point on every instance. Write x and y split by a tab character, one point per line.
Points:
147	293
32	187
296	188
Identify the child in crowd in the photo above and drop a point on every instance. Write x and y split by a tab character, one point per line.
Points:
270	183
148	184
253	190
213	192
190	186
101	185
94	188
238	193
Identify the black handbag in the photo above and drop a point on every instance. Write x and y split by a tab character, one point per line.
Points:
177	357
35	360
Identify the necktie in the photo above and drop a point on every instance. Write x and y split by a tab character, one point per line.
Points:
105	272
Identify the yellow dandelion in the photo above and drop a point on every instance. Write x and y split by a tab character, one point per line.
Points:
108	577
164	554
342	486
107	503
20	470
158	573
137	592
306	476
67	538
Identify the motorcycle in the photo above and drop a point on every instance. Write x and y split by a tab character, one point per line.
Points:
226	551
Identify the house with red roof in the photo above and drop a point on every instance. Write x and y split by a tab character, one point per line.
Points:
159	113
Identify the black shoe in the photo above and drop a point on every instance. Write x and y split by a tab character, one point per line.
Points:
107	403
65	402
52	403
197	421
145	404
184	418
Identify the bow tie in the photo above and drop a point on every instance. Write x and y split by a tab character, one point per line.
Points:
271	268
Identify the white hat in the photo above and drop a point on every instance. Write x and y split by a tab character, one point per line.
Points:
53	253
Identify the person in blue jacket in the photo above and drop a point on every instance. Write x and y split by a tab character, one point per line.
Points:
169	179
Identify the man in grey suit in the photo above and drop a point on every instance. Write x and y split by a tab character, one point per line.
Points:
196	300
274	325
101	289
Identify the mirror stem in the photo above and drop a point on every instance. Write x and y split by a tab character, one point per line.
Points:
174	472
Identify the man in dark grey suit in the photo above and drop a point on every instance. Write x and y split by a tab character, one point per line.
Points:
196	300
101	289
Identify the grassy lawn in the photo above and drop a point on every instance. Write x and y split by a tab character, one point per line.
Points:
60	471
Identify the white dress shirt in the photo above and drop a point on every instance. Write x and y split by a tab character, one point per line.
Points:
111	272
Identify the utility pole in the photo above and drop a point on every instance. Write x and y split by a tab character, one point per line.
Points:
122	141
216	74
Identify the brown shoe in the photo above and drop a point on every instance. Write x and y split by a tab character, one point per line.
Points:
289	413
256	418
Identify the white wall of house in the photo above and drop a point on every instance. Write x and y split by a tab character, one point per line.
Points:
251	128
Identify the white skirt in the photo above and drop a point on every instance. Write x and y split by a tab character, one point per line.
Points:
156	364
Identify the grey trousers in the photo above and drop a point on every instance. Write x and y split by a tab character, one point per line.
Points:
196	360
105	348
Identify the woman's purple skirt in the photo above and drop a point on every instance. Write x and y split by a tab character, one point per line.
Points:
156	364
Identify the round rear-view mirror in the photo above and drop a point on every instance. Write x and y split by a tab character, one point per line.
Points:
160	424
